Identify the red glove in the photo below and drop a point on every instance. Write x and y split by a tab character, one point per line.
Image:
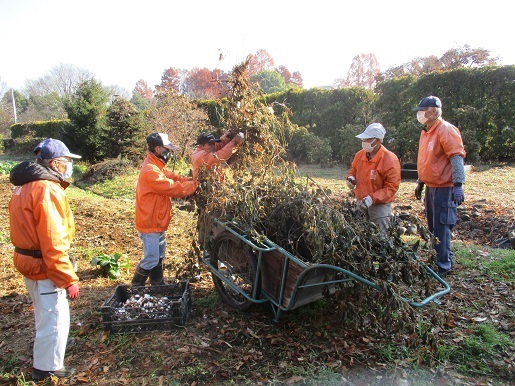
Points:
73	291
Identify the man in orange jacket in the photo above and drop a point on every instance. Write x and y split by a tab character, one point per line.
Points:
42	229
375	176
441	169
211	152
156	185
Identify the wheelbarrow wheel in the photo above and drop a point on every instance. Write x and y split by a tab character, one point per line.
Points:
235	261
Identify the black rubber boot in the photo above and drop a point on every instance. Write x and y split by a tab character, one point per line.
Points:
156	274
140	276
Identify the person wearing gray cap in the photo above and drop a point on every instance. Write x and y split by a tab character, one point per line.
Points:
441	169
375	176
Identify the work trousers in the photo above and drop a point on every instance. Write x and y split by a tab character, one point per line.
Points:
154	248
381	215
441	215
52	317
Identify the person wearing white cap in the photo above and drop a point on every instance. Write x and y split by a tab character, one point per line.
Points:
42	229
375	176
155	186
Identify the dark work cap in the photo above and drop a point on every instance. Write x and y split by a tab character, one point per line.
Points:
429	101
204	138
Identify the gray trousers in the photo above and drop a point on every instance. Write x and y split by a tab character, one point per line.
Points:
381	215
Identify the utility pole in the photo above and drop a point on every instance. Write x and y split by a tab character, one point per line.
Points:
14	106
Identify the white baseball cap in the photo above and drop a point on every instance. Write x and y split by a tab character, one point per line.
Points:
374	130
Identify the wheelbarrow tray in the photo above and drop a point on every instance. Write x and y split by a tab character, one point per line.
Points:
283	279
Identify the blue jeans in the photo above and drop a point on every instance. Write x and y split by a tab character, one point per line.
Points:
441	214
154	248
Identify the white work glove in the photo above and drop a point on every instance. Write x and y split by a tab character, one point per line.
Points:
239	138
367	201
351	182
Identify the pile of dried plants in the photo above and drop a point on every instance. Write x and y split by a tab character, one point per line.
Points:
263	195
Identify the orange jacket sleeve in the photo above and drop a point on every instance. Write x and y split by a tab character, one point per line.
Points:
201	157
158	182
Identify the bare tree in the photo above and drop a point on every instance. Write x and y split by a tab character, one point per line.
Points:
174	114
61	79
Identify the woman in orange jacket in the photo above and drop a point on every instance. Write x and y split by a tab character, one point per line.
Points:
155	186
375	176
42	229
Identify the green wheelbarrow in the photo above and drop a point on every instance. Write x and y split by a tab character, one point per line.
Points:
247	272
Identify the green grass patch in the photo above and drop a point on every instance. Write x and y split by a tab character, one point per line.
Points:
477	350
119	187
497	263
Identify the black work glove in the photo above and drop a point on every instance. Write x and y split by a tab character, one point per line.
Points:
419	189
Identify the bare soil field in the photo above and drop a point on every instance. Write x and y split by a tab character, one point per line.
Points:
219	345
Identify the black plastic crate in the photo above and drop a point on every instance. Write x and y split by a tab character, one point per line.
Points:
151	308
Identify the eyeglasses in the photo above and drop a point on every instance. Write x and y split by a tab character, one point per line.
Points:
64	161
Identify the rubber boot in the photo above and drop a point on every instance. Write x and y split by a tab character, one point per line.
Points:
156	274
140	276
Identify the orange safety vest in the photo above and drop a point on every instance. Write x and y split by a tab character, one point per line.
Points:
378	177
41	219
153	191
436	147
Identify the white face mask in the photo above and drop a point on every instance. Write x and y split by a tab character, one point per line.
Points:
421	116
367	146
69	170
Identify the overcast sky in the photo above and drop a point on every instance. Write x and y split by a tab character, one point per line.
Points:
122	41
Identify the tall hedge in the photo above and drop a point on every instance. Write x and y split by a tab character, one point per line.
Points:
41	129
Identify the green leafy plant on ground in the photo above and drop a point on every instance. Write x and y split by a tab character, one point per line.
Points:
111	266
6	166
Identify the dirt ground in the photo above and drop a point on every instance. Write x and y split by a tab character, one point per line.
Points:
222	346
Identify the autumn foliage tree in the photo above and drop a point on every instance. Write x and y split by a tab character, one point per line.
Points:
362	72
259	61
143	90
170	81
454	58
202	83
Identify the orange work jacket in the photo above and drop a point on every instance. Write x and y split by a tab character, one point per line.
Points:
41	219
212	160
378	177
436	147
153	191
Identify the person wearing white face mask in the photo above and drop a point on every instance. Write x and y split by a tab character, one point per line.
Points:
42	229
375	176
441	169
